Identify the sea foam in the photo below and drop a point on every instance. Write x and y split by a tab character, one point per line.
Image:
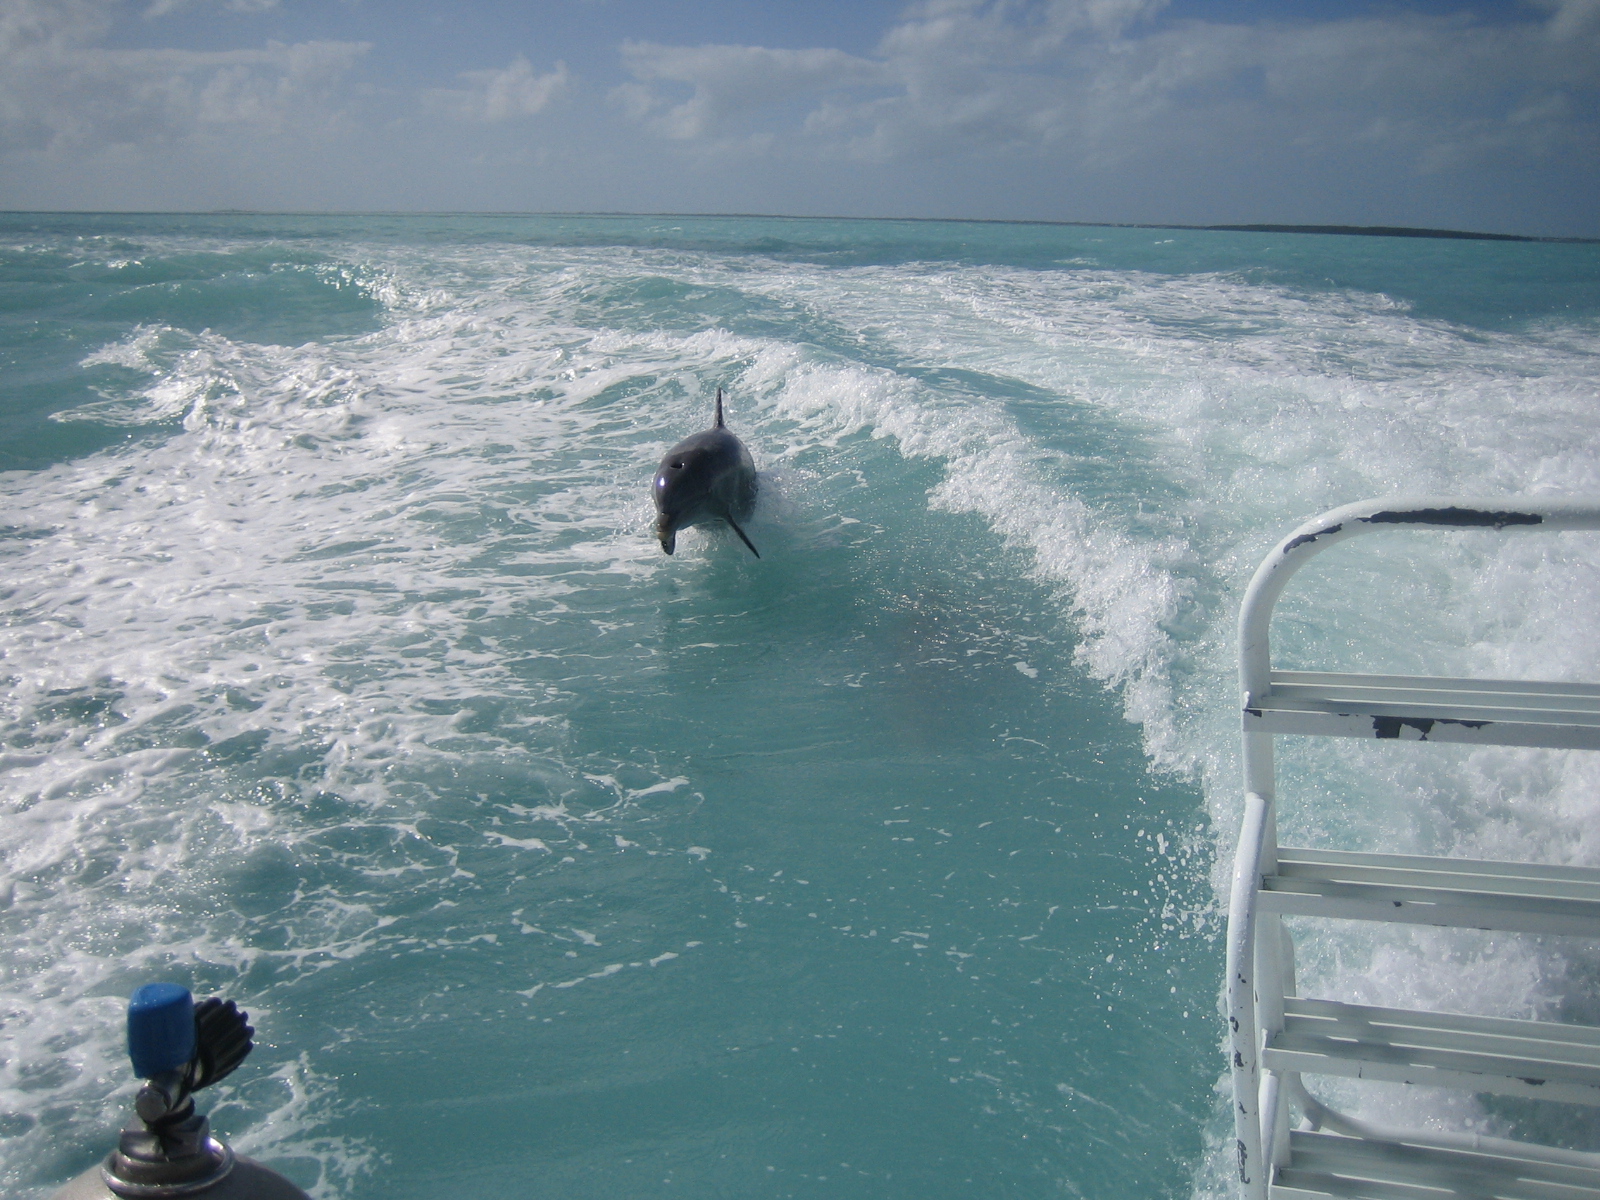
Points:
332	664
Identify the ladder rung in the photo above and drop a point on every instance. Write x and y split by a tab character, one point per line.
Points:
1424	906
1325	1165
1542	1060
1451	874
1423	708
1579	693
1335	859
1411	889
1418	727
1442	708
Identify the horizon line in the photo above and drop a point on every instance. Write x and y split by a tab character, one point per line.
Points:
1251	227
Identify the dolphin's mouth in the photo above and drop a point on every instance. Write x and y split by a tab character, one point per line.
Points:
667	534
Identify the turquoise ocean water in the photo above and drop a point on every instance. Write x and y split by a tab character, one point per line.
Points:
340	674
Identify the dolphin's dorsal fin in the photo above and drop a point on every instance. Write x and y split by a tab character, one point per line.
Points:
718	425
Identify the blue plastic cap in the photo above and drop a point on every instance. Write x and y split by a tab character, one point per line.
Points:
160	1029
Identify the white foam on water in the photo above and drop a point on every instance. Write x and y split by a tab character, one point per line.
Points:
1265	407
307	561
297	572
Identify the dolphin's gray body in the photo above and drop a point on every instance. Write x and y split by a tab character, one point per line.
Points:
704	478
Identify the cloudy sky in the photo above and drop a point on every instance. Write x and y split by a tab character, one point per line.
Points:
1445	113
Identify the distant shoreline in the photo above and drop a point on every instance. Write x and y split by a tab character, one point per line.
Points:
1401	231
1383	231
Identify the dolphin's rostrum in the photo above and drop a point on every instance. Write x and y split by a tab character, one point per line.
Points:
704	478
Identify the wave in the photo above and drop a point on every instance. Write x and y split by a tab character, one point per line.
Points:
310	658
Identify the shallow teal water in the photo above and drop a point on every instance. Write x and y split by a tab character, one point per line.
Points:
343	677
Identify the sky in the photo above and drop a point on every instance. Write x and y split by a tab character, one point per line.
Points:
1434	113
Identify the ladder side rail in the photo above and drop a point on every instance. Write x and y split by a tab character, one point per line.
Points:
1291	1079
1271	986
1274	1122
1255	841
1283	965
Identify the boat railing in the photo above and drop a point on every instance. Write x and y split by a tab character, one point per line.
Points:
1276	1035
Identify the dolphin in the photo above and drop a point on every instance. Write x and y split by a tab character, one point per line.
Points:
704	478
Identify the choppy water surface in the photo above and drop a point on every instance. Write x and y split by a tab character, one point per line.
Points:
342	676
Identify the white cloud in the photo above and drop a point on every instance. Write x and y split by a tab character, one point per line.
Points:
502	95
59	90
1103	82
162	8
731	82
1571	18
1077	109
31	25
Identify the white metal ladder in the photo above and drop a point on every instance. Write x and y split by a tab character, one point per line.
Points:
1276	1035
